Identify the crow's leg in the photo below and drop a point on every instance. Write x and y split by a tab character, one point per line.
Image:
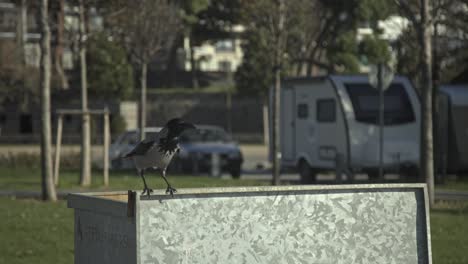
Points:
146	190
169	189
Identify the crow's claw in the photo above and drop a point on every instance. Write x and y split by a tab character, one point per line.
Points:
170	191
148	191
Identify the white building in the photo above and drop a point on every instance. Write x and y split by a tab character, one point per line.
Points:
223	55
392	28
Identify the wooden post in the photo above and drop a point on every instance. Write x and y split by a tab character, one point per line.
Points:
58	144
106	147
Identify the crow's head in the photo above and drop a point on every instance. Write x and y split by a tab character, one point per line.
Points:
176	126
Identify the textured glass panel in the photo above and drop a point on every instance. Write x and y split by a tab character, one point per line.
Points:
361	226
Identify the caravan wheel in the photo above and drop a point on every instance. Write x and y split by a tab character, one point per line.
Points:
307	174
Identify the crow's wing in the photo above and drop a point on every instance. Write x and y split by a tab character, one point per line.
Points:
168	146
141	149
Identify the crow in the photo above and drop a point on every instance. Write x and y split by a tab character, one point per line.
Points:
157	152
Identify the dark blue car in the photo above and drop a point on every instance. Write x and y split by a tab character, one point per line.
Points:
197	148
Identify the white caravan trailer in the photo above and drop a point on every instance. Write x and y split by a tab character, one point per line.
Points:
333	121
451	122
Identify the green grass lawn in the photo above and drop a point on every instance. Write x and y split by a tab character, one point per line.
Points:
451	184
35	232
27	179
449	231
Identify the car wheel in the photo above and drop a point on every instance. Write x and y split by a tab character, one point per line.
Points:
235	171
308	176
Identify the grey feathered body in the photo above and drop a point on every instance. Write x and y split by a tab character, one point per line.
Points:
154	152
154	158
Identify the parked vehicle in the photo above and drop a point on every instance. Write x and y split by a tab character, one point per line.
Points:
451	146
197	148
333	119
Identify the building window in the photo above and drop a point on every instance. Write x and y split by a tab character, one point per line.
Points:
224	46
26	126
326	110
302	111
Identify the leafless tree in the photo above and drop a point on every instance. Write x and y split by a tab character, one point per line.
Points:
420	15
85	177
315	25
59	20
271	18
146	27
22	29
48	187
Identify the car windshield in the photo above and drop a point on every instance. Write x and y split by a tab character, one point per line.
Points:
205	135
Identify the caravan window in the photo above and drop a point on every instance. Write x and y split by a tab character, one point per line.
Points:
365	101
302	111
326	110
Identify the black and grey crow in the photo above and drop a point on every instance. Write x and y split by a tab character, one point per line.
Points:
157	152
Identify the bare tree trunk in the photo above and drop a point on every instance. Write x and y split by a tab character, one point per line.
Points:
85	179
276	96
438	154
193	65
230	77
301	65
59	47
142	122
309	68
427	151
276	128
48	187
22	30
171	69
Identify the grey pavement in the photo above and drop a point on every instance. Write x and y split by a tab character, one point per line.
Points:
254	154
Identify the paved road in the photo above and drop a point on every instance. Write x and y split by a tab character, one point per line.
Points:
254	155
